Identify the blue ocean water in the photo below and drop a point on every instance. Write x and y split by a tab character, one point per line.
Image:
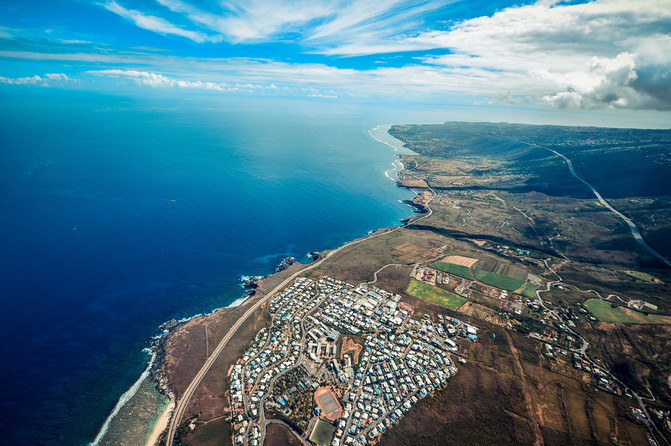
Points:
120	213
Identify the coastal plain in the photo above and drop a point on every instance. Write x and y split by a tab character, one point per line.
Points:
547	272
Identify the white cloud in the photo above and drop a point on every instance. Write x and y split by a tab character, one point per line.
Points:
21	80
158	80
34	80
57	76
323	23
157	24
606	53
602	54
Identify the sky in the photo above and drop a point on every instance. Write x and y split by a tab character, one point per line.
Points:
602	55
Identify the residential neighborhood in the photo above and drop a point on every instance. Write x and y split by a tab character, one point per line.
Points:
340	364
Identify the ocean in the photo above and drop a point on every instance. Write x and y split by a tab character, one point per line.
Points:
120	213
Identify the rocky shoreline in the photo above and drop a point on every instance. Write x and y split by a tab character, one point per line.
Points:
157	349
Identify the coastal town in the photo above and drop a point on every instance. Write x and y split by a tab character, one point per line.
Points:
355	351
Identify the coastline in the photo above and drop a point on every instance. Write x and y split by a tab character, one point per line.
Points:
152	380
155	371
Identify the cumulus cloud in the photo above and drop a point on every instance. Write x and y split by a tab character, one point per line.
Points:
21	80
158	80
34	80
57	76
605	53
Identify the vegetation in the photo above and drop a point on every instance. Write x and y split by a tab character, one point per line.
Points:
529	290
452	268
498	280
605	312
640	275
438	296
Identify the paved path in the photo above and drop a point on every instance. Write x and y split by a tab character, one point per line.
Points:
188	393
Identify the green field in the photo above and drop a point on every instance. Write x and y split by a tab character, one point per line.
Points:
602	310
438	296
529	290
640	275
457	270
498	280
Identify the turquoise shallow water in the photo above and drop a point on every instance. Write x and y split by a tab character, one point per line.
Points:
121	213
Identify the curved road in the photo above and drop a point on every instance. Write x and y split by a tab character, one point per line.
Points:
184	401
634	230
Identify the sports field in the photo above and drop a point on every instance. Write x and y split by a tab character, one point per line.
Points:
498	280
328	402
438	296
452	268
322	434
602	310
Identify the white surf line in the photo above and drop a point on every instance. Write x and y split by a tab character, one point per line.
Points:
128	394
397	147
634	230
392	174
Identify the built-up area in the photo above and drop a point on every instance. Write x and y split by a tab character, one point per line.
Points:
340	364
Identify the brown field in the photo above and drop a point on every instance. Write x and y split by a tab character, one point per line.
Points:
572	411
279	434
460	260
481	312
409	252
482	404
350	346
414	183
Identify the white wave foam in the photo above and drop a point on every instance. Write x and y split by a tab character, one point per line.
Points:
127	395
238	302
392	142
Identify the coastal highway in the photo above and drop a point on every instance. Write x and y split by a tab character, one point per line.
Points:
180	408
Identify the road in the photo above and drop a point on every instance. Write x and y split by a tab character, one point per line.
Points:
651	425
188	393
632	227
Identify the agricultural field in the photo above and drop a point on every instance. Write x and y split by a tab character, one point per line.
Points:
503	269
451	268
529	290
498	280
435	295
602	310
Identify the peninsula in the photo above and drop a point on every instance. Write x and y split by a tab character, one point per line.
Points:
526	303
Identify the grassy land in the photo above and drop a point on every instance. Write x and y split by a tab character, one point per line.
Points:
605	313
435	295
640	275
529	290
457	270
497	280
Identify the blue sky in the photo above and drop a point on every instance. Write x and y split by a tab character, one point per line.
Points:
598	55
